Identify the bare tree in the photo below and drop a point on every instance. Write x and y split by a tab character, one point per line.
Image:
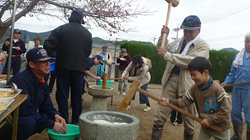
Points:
107	14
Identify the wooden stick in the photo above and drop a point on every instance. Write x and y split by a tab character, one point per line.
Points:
166	24
237	84
116	78
178	109
130	93
134	87
104	82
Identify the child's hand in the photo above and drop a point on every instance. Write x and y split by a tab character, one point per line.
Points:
205	123
163	101
222	84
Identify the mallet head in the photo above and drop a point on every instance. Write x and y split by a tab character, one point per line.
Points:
174	2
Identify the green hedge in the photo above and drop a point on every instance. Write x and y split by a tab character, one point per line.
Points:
221	61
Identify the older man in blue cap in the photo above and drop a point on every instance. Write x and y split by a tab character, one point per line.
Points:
176	80
37	112
73	43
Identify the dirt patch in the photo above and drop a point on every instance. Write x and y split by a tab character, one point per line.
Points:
170	132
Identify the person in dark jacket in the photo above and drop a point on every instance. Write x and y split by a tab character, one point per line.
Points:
37	112
17	49
73	43
124	59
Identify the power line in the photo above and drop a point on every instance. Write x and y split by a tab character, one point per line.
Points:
237	10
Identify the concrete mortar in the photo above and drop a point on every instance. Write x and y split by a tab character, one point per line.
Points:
99	101
90	130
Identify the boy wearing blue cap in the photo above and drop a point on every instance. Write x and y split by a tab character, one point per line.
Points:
17	49
37	112
176	79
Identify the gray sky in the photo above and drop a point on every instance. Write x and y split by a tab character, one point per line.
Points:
224	22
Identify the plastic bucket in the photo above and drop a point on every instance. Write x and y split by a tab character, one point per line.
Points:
52	66
109	83
73	133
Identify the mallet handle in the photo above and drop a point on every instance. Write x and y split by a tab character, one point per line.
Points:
178	109
237	84
167	20
116	78
104	81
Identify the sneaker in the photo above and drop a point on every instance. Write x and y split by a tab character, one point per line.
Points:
123	93
118	92
147	108
128	107
177	124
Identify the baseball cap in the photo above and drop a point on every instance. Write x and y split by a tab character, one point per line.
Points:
191	22
99	58
38	54
17	31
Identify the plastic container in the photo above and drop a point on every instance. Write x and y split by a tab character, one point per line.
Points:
109	83
52	66
73	133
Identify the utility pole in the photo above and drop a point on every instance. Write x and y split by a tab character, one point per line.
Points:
177	29
154	40
115	49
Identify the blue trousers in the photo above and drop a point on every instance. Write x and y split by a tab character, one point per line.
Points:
27	126
15	65
52	80
240	100
143	98
69	79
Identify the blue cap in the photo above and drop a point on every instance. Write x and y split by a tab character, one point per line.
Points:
17	31
77	12
99	58
191	22
37	54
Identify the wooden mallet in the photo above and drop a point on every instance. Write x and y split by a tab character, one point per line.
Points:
134	87
171	3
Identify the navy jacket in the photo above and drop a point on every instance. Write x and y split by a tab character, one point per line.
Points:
73	43
19	43
38	104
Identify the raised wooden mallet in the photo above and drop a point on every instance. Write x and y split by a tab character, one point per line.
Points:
134	87
171	3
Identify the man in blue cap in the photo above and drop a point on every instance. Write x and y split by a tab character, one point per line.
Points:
91	62
73	43
37	112
176	79
17	49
